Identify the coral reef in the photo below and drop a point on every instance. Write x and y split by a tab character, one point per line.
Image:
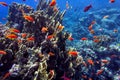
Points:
34	44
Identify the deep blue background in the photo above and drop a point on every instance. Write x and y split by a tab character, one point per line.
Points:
79	4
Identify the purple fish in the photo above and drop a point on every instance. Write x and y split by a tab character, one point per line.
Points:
64	77
24	0
87	8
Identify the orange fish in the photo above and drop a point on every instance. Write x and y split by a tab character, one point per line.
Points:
44	29
60	27
115	30
23	35
93	22
2	52
19	41
84	38
104	61
51	74
90	62
50	37
53	3
84	64
28	18
11	36
3	3
67	5
105	16
97	62
96	40
30	39
14	30
112	1
92	31
6	75
73	53
90	27
84	76
95	37
99	72
90	79
70	38
55	9
51	54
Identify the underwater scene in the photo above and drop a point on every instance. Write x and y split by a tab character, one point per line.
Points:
59	39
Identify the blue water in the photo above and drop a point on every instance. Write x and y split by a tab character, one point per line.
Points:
79	4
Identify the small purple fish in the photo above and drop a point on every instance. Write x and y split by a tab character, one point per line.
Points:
24	0
87	8
64	77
